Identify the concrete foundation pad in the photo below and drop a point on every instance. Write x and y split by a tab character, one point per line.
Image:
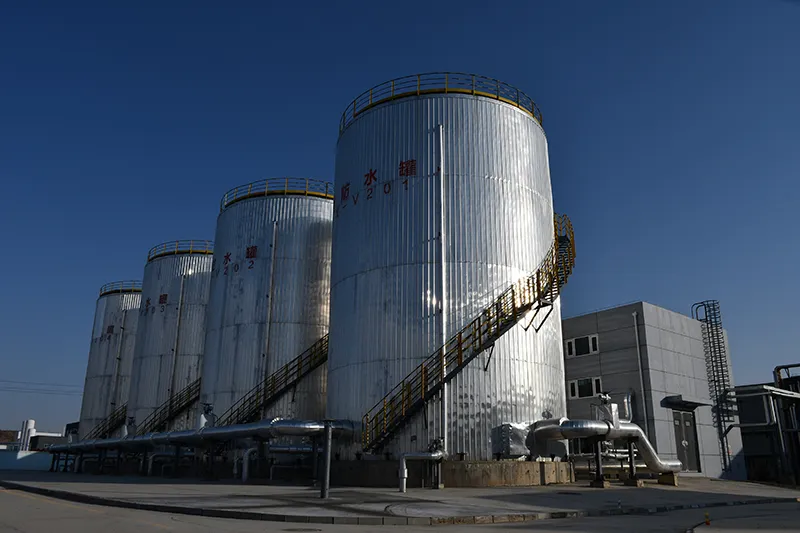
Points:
385	507
670	479
455	474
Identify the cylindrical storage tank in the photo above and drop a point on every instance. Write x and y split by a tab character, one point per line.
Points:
399	288
169	346
270	291
108	370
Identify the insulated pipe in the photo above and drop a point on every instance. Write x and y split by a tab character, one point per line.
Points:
246	463
264	429
626	404
776	373
564	428
415	456
639	363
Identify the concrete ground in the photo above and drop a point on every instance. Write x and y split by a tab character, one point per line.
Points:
24	512
385	506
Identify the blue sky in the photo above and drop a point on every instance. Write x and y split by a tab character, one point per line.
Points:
672	128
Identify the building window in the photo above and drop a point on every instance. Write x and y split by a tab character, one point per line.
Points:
587	345
584	387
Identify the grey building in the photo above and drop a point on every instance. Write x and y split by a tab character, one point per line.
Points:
663	354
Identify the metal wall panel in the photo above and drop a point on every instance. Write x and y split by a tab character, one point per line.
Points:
182	283
108	369
268	308
386	286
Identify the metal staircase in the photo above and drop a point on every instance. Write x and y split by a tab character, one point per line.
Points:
111	423
166	412
531	294
249	408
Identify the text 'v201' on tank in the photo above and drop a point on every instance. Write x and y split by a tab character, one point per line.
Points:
270	291
416	258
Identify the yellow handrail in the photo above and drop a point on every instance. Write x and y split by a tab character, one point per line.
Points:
289	373
181	247
536	289
439	82
277	186
121	286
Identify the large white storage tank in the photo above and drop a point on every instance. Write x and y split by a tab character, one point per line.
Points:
108	369
169	344
270	291
392	301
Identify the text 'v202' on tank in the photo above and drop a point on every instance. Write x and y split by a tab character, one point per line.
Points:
172	319
108	368
398	290
270	291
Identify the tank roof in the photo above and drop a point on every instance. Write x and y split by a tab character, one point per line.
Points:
121	286
181	247
439	83
279	187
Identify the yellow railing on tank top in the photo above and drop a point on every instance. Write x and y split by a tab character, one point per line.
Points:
181	247
121	286
277	186
439	83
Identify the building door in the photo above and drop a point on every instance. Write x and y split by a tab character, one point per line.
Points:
686	440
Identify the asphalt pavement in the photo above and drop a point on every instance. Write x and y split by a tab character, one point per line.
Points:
23	512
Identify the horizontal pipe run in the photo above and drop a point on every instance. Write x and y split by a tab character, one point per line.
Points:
564	428
264	429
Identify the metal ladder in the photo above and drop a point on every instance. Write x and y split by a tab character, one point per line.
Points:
535	293
112	422
250	407
169	410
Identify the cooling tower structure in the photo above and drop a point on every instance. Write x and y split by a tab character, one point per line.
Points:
169	344
270	292
443	200
110	353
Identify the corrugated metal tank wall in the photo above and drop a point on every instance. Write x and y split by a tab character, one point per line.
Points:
270	292
110	353
386	286
169	345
